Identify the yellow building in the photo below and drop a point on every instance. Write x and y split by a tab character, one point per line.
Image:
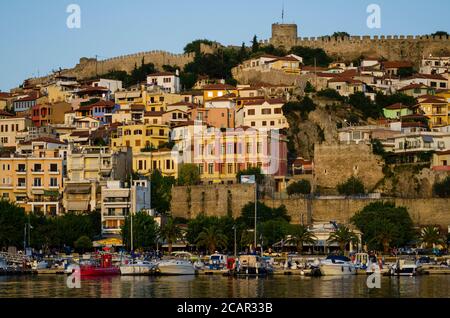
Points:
286	64
11	127
140	136
34	180
145	163
156	100
436	108
217	90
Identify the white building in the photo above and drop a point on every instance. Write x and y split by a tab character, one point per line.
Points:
262	114
112	85
169	82
435	65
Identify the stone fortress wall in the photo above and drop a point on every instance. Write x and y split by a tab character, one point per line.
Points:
90	67
391	47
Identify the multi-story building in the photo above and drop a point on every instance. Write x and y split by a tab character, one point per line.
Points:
435	65
89	168
140	136
46	114
164	160
217	90
11	128
262	114
436	108
169	82
119	201
422	142
33	178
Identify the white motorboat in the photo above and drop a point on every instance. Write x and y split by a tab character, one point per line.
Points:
337	266
178	264
217	261
3	265
405	268
137	267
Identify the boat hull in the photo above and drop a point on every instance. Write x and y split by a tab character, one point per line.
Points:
175	269
99	271
136	270
337	269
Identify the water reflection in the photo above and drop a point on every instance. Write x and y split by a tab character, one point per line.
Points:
224	287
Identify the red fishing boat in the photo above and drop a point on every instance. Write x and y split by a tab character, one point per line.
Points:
105	268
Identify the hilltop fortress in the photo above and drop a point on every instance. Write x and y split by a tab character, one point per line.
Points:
396	47
391	47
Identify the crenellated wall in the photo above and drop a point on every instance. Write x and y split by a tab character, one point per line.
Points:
392	47
88	67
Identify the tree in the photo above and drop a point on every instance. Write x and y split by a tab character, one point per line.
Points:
170	232
353	186
405	72
312	56
309	88
299	187
442	189
440	33
212	238
331	94
343	236
340	34
145	231
264	214
255	44
273	231
188	175
12	223
364	104
304	107
194	46
83	244
161	191
243	53
430	236
382	100
383	224
300	235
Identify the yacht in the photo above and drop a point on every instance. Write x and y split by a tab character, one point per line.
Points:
178	264
405	268
3	265
137	267
337	266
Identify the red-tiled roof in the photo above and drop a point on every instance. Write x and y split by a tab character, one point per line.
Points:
396	106
44	139
429	76
191	105
283	58
413	86
397	64
271	101
162	74
5	113
433	100
222	87
137	107
154	114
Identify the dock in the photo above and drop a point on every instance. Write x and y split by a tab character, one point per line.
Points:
49	271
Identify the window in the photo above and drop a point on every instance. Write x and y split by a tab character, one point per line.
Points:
167	164
259	147
200	168
140	165
264	123
37	167
266	111
161	132
277	110
37	182
251	112
230	148
443	85
252	124
21	182
5	196
230	168
444	162
433	84
210	94
272	123
53	182
210	168
54	167
249	147
137	143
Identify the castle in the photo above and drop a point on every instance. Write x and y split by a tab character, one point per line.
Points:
347	49
391	47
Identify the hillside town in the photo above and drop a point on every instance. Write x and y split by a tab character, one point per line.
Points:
309	138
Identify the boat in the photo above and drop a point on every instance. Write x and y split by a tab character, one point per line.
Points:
105	267
3	265
40	265
178	264
405	268
337	266
252	265
217	261
138	267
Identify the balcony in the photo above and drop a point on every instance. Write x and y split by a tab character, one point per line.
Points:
21	171
54	172
21	185
37	171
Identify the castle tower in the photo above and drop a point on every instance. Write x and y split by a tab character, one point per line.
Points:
284	35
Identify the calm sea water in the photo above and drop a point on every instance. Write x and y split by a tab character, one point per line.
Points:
224	287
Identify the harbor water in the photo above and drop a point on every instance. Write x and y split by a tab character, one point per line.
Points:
54	286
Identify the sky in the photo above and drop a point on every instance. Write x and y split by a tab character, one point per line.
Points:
35	38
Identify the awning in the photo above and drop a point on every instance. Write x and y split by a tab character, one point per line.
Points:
77	205
428	139
112	241
78	189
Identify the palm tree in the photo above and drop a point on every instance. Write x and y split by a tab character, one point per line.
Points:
170	232
343	235
211	238
300	235
430	235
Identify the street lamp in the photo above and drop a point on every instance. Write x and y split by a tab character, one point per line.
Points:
235	246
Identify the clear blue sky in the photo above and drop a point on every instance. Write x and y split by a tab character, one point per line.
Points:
35	39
